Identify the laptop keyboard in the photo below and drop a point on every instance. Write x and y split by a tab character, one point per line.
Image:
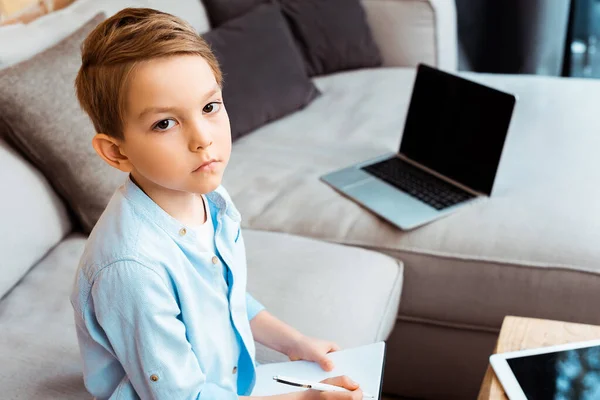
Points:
426	187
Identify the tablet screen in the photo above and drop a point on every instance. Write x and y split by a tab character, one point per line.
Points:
564	375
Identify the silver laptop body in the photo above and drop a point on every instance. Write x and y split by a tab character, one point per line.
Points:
451	146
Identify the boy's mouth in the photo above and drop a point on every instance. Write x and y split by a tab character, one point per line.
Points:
207	165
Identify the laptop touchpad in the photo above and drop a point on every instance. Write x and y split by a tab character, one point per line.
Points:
392	204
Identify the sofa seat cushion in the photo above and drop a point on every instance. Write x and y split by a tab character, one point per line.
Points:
531	249
38	344
344	294
334	292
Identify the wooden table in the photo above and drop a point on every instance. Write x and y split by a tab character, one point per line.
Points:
527	333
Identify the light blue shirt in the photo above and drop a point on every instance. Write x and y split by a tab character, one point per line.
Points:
157	317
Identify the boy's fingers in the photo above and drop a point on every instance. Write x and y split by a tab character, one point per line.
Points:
326	364
334	347
354	395
342	381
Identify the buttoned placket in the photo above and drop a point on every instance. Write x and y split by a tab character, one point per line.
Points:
227	272
221	271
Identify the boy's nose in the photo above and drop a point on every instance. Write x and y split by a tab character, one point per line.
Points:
202	145
200	138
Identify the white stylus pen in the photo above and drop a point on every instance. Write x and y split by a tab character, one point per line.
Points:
323	387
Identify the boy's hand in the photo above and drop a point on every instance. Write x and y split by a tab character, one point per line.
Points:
342	381
311	349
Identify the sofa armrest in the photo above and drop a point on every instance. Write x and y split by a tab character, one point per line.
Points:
412	31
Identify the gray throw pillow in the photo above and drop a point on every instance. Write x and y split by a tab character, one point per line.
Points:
39	113
333	35
263	71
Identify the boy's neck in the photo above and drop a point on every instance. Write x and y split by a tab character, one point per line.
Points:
187	208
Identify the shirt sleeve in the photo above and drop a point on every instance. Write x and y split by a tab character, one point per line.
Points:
138	314
253	306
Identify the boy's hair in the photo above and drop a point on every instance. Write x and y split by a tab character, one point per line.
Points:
113	49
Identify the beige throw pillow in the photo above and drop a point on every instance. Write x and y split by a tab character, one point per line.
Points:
40	114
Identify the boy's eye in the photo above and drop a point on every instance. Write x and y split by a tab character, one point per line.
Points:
212	108
164	125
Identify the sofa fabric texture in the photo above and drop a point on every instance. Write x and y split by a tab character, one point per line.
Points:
322	269
38	344
264	77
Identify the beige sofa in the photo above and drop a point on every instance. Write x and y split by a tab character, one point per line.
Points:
331	268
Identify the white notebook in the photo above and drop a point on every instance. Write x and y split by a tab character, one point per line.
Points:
362	364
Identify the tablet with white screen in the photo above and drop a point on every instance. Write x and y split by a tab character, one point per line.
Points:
565	372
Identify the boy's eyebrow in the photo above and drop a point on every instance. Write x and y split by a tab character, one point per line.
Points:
153	110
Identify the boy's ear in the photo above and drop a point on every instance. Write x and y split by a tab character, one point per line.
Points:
109	149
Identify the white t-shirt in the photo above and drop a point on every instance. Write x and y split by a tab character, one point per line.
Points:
206	231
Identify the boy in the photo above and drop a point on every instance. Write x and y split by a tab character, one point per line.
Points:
160	300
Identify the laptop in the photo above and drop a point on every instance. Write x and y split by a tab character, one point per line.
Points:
453	138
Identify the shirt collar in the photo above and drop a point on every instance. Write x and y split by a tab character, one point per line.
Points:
219	201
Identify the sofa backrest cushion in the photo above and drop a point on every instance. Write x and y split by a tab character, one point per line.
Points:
32	217
408	32
264	73
21	41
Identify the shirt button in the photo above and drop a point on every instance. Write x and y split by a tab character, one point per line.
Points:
215	259
182	232
234	370
154	377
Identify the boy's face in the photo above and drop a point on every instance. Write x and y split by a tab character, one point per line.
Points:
175	124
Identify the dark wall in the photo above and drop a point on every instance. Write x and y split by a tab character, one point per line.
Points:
513	36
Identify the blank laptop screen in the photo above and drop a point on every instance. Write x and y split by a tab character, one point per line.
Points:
457	127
